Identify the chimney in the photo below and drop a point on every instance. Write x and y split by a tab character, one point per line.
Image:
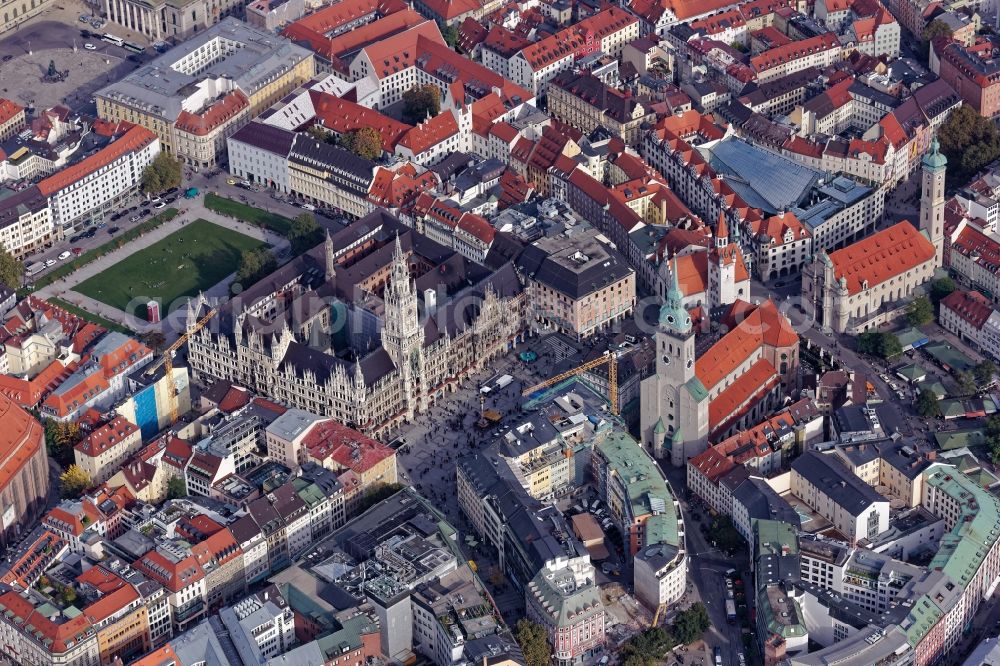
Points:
932	455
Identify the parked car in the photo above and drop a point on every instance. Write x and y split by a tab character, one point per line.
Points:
113	230
74	239
145	211
154	200
134	218
160	205
76	250
170	200
50	262
84	18
64	255
89	47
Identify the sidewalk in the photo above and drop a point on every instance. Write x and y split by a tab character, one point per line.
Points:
193	210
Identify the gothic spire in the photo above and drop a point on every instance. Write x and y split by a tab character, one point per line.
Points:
331	270
672	313
722	231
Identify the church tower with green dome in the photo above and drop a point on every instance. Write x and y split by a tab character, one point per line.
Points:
668	402
934	165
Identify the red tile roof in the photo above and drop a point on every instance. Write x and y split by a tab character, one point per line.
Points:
429	134
588	33
970	306
448	10
762	325
400	188
351	41
423	46
217	549
881	256
349	448
478	227
8	110
113	432
789	52
174	576
216	115
341	115
56	637
331	17
163	656
136	138
741	395
712	464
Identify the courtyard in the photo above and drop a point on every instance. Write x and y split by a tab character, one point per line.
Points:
192	259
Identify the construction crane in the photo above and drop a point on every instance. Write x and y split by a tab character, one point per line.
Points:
167	361
609	357
656	618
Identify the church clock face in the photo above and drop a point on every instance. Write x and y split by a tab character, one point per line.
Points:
666	360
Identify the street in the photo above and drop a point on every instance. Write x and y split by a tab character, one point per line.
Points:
707	568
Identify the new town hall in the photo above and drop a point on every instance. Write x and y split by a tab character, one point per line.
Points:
369	328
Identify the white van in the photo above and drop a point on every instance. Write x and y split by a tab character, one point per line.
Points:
309	207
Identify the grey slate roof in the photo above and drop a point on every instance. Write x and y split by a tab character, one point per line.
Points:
826	473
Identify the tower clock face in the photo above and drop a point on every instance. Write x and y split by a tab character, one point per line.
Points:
666	360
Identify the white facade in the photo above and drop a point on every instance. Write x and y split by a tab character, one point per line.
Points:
258	165
98	190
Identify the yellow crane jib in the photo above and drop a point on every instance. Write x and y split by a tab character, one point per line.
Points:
609	357
167	362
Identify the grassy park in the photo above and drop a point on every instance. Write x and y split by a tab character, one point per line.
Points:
262	218
192	259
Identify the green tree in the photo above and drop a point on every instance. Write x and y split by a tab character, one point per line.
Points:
983	372
970	142
73	482
884	345
940	288
163	173
870	343
966	382
534	642
691	624
421	102
726	537
11	270
255	264
935	29
450	34
920	312
318	133
364	142
648	647
60	438
176	487
993	437
67	595
304	233
927	404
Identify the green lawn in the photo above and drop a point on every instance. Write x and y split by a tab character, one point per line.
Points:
225	206
187	261
101	250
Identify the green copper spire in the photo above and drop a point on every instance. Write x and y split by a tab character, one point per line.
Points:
672	313
933	159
